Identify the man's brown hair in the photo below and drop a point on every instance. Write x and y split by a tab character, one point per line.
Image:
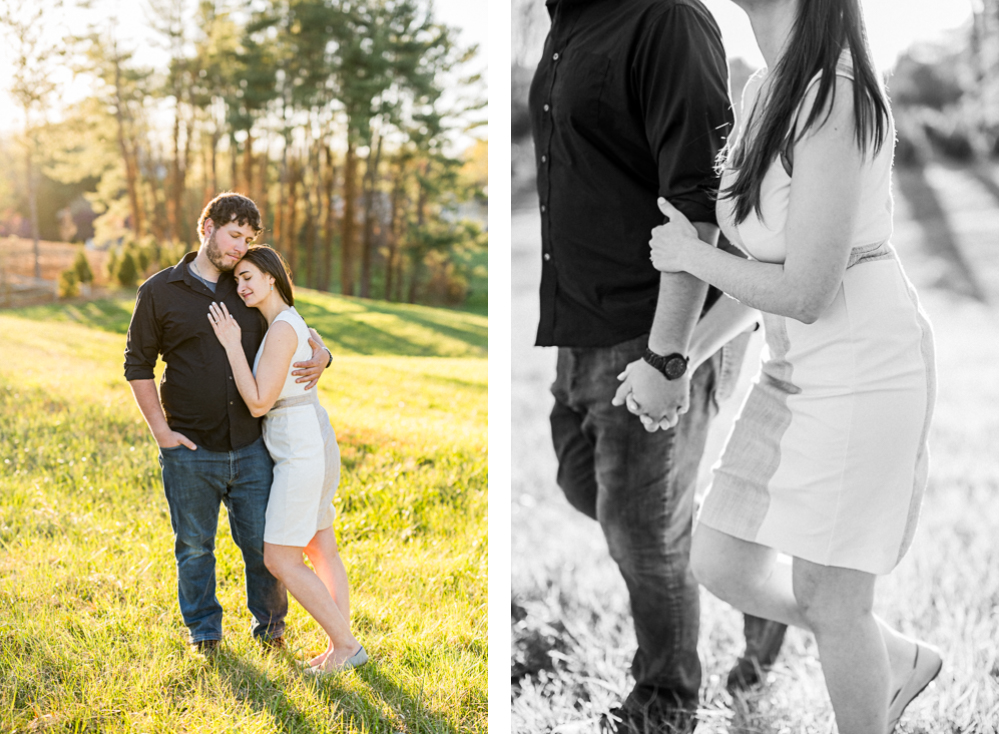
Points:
229	207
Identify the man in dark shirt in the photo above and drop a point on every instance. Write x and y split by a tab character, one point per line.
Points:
628	103
211	450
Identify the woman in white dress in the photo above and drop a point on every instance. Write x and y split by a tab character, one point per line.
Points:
827	462
299	438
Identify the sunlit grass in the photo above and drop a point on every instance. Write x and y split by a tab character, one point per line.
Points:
572	633
91	637
348	325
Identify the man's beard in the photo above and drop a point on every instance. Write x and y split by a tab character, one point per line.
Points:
222	264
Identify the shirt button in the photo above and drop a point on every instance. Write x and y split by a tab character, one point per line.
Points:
555	56
545	107
543	208
546	257
230	402
544	158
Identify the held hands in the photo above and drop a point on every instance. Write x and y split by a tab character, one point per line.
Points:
669	241
657	401
310	371
224	324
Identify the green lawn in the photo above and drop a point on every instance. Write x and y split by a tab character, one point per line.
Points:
348	325
91	638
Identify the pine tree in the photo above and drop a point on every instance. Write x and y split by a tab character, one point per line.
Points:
82	268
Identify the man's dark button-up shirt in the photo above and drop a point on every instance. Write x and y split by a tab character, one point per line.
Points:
198	393
629	102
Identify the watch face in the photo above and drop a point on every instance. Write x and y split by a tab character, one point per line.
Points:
675	367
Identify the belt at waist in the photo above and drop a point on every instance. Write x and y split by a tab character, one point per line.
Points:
303	399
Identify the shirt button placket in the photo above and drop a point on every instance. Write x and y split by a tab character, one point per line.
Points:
548	123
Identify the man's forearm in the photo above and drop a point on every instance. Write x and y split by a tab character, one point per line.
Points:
148	400
679	304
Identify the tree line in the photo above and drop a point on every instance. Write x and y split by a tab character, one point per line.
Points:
331	114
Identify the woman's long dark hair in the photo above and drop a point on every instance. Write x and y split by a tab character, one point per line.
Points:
270	262
822	30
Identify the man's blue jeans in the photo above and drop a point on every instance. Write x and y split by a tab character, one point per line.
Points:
640	487
195	483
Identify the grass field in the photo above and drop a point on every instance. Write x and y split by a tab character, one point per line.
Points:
572	637
91	637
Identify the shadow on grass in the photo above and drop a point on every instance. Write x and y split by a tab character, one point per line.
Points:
252	686
409	709
356	336
412	331
938	238
986	176
110	314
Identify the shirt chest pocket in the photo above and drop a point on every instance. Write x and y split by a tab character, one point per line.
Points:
580	89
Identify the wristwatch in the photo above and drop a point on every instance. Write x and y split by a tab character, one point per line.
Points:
670	366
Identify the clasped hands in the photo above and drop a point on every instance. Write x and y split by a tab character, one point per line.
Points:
657	401
644	391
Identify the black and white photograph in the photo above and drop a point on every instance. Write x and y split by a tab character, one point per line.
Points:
754	366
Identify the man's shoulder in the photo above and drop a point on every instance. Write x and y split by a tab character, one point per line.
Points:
669	10
158	280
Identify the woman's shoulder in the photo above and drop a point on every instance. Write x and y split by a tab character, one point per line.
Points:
294	322
292	318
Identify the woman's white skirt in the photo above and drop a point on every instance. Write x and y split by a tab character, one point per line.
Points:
299	437
828	459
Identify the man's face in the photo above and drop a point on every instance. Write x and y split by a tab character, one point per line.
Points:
228	243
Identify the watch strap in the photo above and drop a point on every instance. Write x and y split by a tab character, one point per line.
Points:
672	366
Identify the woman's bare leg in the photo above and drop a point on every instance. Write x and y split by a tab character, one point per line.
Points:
753	579
837	605
325	558
286	563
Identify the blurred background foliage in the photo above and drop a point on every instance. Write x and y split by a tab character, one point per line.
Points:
332	115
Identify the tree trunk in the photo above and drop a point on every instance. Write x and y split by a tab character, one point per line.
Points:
329	221
32	200
292	230
205	153
215	165
400	262
234	151
185	222
248	166
131	173
411	296
159	218
310	234
279	212
418	256
314	215
347	230
175	176
390	264
262	201
371	176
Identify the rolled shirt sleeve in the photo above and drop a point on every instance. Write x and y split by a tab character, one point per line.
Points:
142	345
681	80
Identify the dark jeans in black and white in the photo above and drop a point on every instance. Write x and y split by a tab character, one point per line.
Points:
640	486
